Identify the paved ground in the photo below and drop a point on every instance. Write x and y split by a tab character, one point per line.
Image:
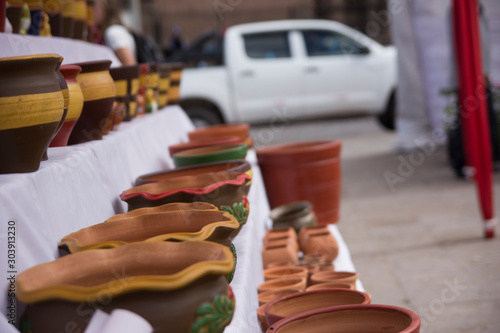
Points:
418	244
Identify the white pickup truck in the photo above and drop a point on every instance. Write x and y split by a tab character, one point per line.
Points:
287	70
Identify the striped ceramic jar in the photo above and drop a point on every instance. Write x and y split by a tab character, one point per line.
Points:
175	83
31	107
152	91
164	85
68	13
80	19
127	84
99	93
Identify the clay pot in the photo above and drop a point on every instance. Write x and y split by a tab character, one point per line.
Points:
127	85
280	272
330	285
115	118
351	318
270	295
164	209
290	305
164	84
318	240
296	215
68	14
70	73
175	82
279	233
217	131
292	282
203	143
343	277
54	11
280	264
210	154
36	16
304	171
143	87
261	316
14	12
99	92
228	166
28	83
171	285
80	31
279	253
281	241
315	258
65	91
152	90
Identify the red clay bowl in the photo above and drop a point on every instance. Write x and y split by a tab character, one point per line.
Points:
299	152
228	166
290	305
373	318
217	131
203	143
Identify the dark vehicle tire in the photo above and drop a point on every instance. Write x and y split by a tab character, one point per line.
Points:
202	114
388	118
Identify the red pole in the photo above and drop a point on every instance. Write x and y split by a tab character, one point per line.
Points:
472	101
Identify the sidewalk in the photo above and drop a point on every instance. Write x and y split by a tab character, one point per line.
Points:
420	245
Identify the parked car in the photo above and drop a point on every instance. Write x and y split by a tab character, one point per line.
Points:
291	69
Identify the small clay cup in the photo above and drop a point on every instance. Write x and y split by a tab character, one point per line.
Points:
284	283
281	241
281	272
344	277
279	253
277	233
318	240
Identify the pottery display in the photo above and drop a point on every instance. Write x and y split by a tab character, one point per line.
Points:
318	240
68	14
218	131
270	295
54	11
210	154
213	226
14	12
280	272
307	171
290	305
126	80
292	282
330	285
373	318
228	166
296	215
36	14
99	93
218	188
164	85
31	108
172	207
70	73
176	287
80	27
175	82
152	90
343	277
279	253
203	143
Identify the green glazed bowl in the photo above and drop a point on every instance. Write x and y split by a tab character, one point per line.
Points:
210	154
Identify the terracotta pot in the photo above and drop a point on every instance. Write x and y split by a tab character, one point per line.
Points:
68	14
315	258
80	31
99	92
203	143
115	118
171	285
164	209
279	253
279	233
70	73
270	295
318	240
164	85
290	305
28	83
296	215
217	131
261	316
330	285
36	16
343	277
281	241
280	272
14	12
218	188
351	318
65	91
152	90
127	85
210	154
292	282
307	171
280	264
54	11
228	166
175	82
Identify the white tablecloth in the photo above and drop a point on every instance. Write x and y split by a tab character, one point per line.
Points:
80	186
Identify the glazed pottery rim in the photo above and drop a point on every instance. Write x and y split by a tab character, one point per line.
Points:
202	235
341	275
146	209
70	68
365	295
241	179
298	270
299	147
136	283
243	126
412	316
224	149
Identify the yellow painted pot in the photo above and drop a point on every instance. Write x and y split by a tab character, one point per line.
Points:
164	85
68	13
175	83
127	86
80	19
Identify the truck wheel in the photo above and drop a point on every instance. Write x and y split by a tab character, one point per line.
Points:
388	118
203	115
